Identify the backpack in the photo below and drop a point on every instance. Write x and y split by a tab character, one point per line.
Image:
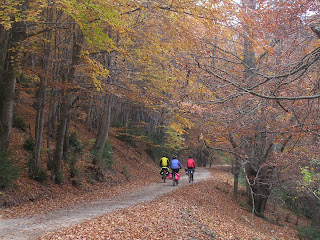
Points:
164	162
177	176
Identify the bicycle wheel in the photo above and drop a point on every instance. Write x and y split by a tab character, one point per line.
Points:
173	179
190	176
164	176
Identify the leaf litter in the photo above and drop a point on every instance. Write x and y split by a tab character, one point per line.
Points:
203	210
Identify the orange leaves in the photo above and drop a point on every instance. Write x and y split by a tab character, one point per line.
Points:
211	213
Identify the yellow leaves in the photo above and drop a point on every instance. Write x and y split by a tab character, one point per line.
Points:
96	19
10	12
175	140
7	12
184	122
95	71
177	127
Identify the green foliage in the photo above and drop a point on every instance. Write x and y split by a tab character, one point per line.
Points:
104	159
315	162
8	172
155	145
227	158
91	142
75	143
242	178
93	17
286	195
116	124
308	233
29	144
91	178
156	148
73	170
292	200
18	122
24	81
311	179
175	140
157	151
36	173
154	151
307	176
127	138
58	177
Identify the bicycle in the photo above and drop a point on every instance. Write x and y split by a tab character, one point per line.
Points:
164	173
174	180
190	173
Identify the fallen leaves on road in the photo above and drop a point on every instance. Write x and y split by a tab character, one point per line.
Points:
203	210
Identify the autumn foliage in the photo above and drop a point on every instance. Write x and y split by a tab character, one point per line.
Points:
216	79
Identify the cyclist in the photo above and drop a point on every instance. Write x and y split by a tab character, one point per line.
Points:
191	165
164	164
175	166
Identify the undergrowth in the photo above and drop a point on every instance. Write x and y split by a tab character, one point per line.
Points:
8	171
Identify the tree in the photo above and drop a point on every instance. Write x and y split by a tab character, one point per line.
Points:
12	33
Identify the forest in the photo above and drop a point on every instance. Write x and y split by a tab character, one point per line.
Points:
223	80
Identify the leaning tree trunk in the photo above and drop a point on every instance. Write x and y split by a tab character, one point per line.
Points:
259	188
9	40
55	167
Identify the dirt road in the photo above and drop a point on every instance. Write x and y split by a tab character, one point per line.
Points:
32	227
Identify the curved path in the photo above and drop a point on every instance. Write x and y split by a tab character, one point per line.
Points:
35	226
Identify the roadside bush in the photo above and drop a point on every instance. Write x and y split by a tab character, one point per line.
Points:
308	233
127	138
75	143
156	148
104	159
29	144
242	178
36	173
8	172
58	177
18	122
73	170
116	124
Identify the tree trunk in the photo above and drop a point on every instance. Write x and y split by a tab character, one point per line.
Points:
67	102
9	40
41	96
103	131
7	86
236	177
235	167
66	137
260	187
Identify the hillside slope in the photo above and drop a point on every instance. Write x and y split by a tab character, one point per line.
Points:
127	172
128	168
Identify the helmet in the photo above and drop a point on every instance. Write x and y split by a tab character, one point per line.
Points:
174	157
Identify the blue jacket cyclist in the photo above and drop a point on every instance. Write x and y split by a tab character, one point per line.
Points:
175	165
